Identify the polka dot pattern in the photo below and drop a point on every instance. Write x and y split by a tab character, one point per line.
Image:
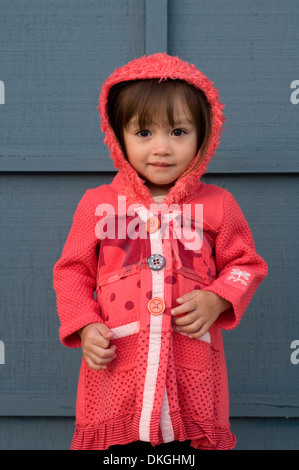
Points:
170	279
112	392
149	294
109	395
129	305
193	372
195	393
191	353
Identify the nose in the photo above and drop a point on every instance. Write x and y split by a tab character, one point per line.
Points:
161	145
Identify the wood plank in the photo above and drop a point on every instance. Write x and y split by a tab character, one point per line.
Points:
45	404
156	26
39	374
224	162
46	433
54	59
250	51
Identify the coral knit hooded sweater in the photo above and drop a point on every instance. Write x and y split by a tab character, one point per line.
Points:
162	386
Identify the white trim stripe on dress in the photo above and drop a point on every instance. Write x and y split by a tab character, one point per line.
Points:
154	347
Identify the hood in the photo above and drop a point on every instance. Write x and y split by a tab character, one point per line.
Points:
161	66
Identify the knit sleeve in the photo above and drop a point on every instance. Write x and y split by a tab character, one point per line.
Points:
239	268
74	275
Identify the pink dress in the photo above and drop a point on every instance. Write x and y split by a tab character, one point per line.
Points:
162	386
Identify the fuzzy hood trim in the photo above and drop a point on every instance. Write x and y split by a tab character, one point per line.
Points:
160	66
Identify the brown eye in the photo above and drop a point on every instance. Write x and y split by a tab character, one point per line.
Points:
144	133
178	132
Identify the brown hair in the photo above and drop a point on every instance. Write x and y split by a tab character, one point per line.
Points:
151	100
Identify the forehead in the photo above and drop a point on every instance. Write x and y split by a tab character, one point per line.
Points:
173	110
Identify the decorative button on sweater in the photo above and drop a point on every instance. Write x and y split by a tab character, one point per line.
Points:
156	262
162	386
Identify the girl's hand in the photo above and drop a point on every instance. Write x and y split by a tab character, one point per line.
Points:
95	339
197	312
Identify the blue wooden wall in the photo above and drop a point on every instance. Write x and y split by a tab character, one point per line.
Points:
54	56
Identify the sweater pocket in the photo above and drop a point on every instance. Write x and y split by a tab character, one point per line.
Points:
118	299
126	341
191	353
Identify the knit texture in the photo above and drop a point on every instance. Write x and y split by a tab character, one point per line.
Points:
162	386
240	269
75	276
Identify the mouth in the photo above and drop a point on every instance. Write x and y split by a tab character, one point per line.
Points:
161	164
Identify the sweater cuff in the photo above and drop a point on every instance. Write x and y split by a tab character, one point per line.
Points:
68	333
237	286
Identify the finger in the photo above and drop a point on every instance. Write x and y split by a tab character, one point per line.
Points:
93	365
93	335
105	331
186	307
99	340
185	319
101	357
200	332
191	328
188	296
103	353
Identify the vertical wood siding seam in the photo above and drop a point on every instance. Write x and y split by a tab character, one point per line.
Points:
156	26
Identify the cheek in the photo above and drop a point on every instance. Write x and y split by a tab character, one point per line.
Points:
132	160
130	152
135	158
129	144
191	152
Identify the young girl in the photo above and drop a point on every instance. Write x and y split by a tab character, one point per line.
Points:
171	260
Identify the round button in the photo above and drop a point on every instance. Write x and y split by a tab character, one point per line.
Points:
156	262
156	306
153	224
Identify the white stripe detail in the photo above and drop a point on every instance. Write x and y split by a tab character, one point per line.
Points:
206	337
151	377
158	291
165	421
125	330
154	348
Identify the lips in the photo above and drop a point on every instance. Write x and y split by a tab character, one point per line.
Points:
161	164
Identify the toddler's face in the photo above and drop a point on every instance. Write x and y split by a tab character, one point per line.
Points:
161	153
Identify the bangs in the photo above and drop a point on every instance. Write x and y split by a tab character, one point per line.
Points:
152	101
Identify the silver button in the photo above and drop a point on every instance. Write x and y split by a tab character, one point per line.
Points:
156	262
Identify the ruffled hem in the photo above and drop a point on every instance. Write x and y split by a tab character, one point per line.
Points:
207	436
222	439
104	435
203	435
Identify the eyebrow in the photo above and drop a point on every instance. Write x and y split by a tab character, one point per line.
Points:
181	121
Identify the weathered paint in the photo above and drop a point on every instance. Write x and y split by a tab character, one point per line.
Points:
54	59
